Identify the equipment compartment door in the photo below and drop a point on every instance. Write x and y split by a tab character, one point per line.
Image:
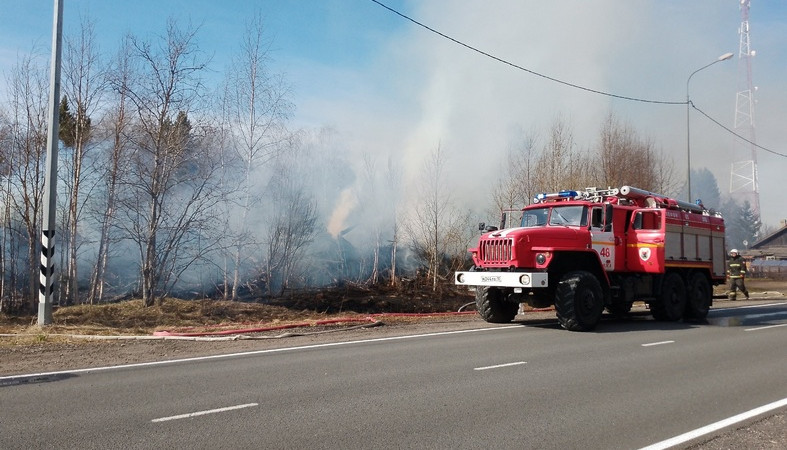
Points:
645	241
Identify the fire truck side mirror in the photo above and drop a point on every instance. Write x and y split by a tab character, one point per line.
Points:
484	227
608	218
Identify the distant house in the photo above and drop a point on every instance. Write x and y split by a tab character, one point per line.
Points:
768	256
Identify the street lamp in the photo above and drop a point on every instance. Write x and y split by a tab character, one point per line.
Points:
721	58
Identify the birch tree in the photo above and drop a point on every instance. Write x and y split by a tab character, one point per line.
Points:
111	165
6	158
257	109
82	81
27	114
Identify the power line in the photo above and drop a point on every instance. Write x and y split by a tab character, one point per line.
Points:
516	66
736	134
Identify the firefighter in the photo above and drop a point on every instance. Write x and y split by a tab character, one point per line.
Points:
736	270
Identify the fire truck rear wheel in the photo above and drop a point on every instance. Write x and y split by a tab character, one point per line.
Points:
579	301
700	296
492	306
672	302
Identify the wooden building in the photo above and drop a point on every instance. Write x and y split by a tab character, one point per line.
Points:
767	258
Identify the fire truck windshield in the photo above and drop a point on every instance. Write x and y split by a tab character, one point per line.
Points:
535	217
568	215
574	215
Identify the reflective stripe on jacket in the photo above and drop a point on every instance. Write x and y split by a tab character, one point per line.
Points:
736	267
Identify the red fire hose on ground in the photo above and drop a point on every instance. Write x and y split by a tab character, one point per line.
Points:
366	322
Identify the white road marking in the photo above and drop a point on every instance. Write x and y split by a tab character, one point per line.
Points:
658	343
749	306
254	352
518	363
685	437
202	413
765	327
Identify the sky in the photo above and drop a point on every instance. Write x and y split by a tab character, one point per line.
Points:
386	85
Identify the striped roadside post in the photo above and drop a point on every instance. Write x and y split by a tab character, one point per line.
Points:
47	277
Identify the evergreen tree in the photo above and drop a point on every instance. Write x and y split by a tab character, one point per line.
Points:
743	225
749	224
67	124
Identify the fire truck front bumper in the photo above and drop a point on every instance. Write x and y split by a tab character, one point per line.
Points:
502	279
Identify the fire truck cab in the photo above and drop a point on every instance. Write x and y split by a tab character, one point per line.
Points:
589	250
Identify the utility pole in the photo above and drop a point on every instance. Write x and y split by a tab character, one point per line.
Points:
47	277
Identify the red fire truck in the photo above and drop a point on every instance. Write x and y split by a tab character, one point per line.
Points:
586	250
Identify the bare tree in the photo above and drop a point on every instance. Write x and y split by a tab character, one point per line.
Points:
393	183
370	206
291	228
665	173
6	159
623	157
378	199
173	171
516	186
553	170
111	166
257	109
435	221
83	83
27	111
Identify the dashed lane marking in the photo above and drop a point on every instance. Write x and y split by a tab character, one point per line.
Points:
651	344
202	413
498	366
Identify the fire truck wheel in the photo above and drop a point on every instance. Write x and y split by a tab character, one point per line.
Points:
672	302
699	298
579	301
492	306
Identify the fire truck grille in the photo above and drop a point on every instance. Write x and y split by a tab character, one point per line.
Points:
496	251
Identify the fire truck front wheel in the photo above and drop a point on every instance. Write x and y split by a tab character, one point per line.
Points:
579	301
492	306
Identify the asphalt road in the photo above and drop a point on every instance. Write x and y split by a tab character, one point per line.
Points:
631	384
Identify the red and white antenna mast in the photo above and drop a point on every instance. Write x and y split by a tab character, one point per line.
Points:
743	177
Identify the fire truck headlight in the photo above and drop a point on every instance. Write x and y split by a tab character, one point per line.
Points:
541	258
525	280
460	278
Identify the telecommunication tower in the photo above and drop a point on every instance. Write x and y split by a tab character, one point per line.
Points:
743	176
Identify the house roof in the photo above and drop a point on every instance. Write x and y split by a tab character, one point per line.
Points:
770	238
